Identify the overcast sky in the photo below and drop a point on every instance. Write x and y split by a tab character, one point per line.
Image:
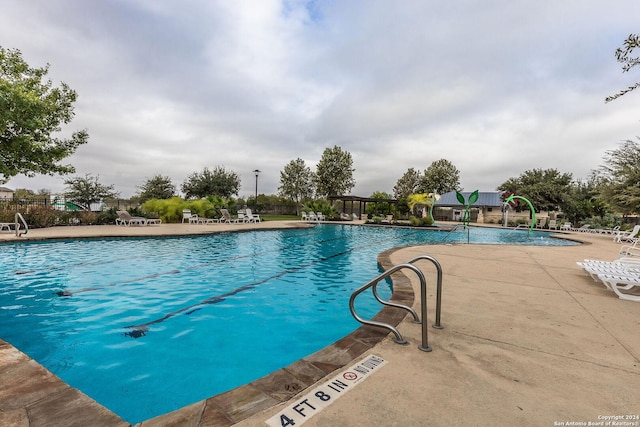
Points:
171	87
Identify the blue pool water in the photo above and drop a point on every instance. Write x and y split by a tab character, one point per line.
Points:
146	326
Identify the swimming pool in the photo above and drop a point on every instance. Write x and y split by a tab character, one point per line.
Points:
146	326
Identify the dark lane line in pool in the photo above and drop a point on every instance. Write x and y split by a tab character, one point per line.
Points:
138	331
69	293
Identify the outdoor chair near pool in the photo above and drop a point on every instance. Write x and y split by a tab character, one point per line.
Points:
191	218
304	216
125	218
203	220
619	282
566	226
311	216
552	224
251	217
226	217
621	266
627	237
9	227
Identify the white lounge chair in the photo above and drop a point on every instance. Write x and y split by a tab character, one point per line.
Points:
226	217
320	216
9	227
621	266
625	236
617	283
251	217
125	218
311	216
567	226
304	216
552	224
586	228
203	220
191	218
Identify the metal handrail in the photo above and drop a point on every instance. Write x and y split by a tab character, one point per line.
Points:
423	303
456	228
436	325
26	227
517	227
373	283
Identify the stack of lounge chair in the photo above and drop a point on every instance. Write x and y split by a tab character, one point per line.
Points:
621	276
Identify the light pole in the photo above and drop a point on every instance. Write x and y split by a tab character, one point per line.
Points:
256	199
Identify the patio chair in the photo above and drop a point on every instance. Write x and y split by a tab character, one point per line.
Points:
311	216
612	281
10	227
125	218
226	217
251	217
567	226
203	220
626	236
304	216
552	224
320	216
621	266
189	217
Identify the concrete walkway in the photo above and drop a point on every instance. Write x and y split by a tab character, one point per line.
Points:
528	340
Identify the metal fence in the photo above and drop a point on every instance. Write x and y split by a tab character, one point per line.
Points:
61	204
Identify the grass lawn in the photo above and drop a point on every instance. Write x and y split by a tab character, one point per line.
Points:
268	217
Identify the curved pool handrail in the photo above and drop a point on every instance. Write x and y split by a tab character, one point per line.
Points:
26	227
399	339
437	324
456	228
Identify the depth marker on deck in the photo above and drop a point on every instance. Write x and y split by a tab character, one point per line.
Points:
296	413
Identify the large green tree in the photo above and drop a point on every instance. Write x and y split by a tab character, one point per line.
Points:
157	187
296	181
216	182
623	55
334	173
440	177
584	202
87	190
546	189
407	184
31	113
620	173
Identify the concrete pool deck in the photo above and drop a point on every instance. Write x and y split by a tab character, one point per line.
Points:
528	339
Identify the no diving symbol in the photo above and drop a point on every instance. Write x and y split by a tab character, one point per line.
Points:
350	376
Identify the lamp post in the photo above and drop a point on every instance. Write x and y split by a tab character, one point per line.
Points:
257	171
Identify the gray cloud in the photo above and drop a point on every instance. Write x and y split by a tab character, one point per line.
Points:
495	87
